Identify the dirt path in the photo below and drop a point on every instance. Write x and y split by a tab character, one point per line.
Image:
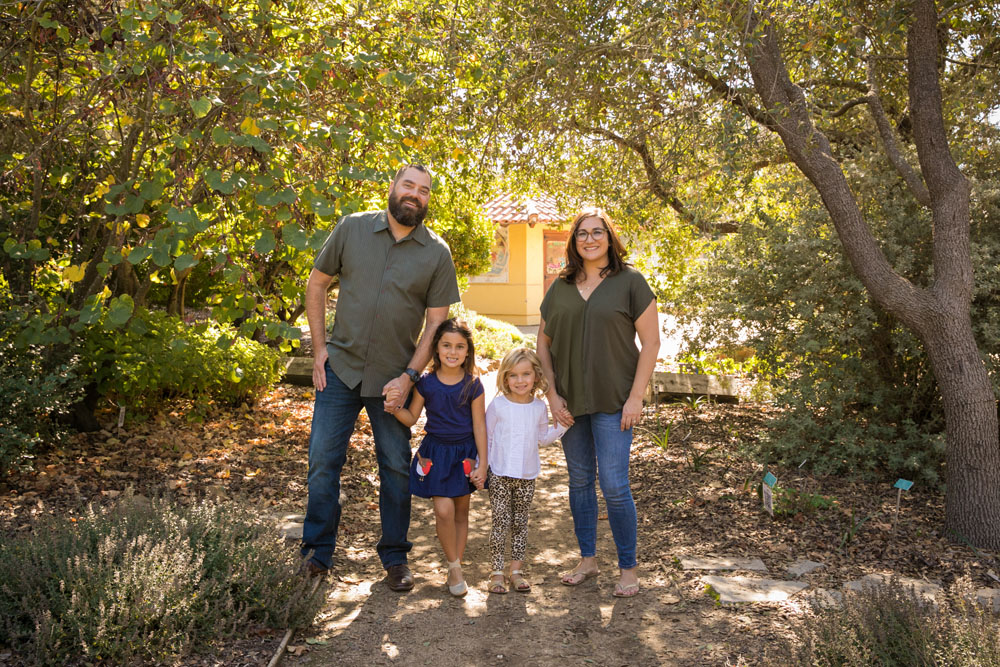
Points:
367	624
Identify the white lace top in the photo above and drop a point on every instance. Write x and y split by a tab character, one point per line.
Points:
513	432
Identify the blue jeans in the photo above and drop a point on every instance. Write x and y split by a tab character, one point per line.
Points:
334	415
597	448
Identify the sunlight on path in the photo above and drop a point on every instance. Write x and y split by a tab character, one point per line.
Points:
366	624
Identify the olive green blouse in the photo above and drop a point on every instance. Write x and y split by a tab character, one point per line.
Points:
593	348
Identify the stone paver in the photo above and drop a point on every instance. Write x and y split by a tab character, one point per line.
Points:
723	563
825	599
989	598
290	526
749	589
924	589
802	567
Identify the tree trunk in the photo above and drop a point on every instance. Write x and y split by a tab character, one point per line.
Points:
972	502
939	314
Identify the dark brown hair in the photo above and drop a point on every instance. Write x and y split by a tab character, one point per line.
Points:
455	325
412	165
616	251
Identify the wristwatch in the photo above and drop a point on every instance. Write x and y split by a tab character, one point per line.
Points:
412	374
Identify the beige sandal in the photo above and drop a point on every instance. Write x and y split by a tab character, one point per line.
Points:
497	586
575	578
517	582
461	588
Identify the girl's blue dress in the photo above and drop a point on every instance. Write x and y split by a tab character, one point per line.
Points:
449	440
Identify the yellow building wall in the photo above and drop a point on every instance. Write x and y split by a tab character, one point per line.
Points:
517	300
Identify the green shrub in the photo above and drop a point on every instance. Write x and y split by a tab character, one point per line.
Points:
857	390
494	338
146	581
888	626
35	391
158	356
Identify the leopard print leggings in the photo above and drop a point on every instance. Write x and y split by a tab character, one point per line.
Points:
510	499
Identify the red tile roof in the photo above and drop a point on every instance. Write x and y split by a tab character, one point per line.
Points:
518	209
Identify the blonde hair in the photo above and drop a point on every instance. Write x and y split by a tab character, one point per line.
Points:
513	358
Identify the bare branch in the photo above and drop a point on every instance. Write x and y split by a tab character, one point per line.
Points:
847	106
892	149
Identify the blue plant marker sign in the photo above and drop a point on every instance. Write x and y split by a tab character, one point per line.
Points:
903	484
771	480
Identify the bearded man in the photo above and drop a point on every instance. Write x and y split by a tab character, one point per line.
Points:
395	275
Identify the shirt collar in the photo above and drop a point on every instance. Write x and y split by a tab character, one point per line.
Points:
419	233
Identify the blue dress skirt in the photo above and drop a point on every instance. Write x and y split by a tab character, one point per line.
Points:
446	476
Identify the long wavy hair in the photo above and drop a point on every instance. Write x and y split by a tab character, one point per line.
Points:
455	325
616	250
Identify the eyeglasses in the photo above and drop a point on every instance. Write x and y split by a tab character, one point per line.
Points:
597	234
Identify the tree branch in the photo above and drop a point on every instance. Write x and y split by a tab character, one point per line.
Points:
847	106
948	187
660	188
892	149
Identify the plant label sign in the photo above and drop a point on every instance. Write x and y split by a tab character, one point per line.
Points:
903	484
766	495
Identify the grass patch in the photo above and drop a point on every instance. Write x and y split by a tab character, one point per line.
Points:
146	581
888	625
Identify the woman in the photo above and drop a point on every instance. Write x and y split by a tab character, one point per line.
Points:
597	377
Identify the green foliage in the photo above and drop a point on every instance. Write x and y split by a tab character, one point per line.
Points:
660	436
692	403
697	458
36	390
145	581
889	626
494	338
718	362
858	391
159	356
184	155
791	502
854	524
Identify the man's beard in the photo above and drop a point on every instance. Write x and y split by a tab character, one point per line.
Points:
409	217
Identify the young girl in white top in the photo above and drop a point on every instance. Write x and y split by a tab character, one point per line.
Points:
516	422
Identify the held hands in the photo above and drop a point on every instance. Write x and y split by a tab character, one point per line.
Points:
478	476
560	412
395	392
631	412
392	398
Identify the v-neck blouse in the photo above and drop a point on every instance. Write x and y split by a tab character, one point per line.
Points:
593	348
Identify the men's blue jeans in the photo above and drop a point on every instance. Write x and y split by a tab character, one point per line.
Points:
334	415
597	448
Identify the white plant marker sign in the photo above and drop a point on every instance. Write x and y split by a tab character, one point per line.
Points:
766	495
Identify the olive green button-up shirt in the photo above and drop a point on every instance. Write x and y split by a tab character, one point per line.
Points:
385	288
593	348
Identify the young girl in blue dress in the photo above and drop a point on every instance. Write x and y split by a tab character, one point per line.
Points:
451	460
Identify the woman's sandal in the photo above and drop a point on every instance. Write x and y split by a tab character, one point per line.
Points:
577	578
497	586
517	582
629	591
459	589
